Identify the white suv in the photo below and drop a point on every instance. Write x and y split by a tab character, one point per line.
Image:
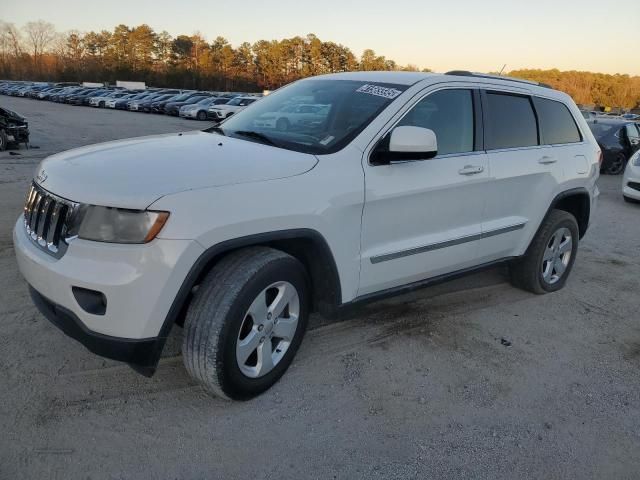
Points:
238	233
233	106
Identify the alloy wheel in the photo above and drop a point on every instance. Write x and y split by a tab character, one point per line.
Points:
557	255
268	329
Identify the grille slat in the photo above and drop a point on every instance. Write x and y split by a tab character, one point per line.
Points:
35	214
45	219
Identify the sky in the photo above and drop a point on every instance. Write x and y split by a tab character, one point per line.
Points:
594	35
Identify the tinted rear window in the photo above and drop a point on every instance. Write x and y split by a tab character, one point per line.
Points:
510	122
556	122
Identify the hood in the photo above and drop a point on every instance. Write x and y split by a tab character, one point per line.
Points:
11	115
136	172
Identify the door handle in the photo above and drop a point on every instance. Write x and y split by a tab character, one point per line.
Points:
471	170
546	160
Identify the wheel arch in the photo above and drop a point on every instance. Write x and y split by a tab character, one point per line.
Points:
307	245
577	202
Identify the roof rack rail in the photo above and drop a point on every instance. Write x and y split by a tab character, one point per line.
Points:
465	73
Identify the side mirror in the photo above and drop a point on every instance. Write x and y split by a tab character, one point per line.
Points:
406	143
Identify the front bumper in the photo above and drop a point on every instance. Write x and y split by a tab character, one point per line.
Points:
139	282
142	355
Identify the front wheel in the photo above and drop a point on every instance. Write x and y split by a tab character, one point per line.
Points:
3	141
548	261
246	322
202	115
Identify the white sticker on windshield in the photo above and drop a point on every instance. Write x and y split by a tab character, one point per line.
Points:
326	141
379	91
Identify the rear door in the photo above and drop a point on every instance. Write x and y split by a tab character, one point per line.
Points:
524	174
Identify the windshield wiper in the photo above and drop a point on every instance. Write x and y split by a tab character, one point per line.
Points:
257	136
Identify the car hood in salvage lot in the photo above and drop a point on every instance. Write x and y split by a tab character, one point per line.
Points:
136	172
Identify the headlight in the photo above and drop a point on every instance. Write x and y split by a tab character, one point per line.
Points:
635	159
116	225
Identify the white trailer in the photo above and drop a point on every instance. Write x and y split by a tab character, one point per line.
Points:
130	85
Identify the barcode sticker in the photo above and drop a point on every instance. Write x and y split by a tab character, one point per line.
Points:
379	91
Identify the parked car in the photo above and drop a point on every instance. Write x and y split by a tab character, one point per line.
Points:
199	110
618	140
120	103
239	232
631	116
101	100
293	116
46	94
173	107
631	179
221	112
14	128
144	105
159	106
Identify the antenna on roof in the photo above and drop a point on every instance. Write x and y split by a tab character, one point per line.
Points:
502	69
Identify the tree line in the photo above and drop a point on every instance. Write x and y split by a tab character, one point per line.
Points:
587	88
38	52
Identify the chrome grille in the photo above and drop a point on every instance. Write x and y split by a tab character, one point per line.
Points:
46	220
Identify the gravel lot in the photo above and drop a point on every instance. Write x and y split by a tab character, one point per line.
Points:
422	386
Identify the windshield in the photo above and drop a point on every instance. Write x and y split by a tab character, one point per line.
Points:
341	110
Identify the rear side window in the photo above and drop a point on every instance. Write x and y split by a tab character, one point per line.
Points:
509	122
556	122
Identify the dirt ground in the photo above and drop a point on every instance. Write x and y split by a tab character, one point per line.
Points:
472	379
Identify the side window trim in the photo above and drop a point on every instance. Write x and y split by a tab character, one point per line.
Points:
485	120
478	121
478	131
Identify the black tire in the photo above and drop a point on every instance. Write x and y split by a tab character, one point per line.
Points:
630	200
3	141
202	115
217	312
526	272
282	125
617	165
100	104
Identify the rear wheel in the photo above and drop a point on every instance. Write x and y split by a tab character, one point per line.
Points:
617	164
246	322
549	259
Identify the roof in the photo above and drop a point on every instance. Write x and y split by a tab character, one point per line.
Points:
411	78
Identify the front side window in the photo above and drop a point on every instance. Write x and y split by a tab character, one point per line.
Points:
449	113
347	107
556	122
509	122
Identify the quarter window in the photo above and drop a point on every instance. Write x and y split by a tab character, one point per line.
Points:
509	122
449	113
556	122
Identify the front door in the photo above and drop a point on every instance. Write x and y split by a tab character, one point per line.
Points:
423	218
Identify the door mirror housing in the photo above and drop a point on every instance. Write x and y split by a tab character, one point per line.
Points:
406	143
